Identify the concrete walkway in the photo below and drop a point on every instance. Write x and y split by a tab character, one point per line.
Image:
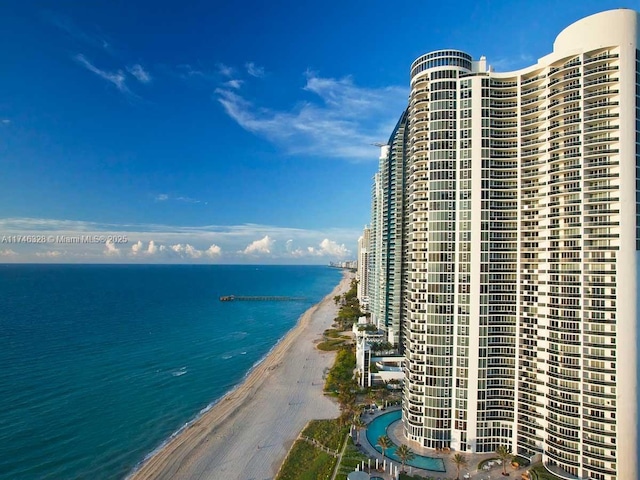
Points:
344	447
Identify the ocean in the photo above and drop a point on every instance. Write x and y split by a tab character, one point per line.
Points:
100	365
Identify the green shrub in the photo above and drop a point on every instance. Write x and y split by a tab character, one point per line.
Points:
306	462
352	457
342	371
521	461
330	345
538	472
326	432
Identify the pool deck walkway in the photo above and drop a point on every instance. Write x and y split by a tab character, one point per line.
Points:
395	432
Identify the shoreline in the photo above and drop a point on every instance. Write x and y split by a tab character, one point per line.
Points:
251	428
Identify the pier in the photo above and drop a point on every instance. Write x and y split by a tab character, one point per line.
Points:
260	298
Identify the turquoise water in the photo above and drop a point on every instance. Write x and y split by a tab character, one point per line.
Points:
379	426
102	364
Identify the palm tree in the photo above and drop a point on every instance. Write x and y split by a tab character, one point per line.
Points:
384	442
504	454
344	418
346	398
405	454
459	461
359	424
371	397
384	396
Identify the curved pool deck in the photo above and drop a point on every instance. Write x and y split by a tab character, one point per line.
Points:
380	425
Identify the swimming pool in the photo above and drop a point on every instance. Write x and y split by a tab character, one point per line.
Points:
379	426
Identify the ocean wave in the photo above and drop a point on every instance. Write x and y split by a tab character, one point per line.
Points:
203	411
239	335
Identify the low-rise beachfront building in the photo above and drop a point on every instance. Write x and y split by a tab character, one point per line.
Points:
363	363
376	362
520	271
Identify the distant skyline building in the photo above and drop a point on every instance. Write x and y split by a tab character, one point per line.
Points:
362	274
518	229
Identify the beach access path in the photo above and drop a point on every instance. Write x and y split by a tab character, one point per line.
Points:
247	435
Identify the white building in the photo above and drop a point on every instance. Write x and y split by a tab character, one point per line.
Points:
372	368
362	274
377	279
521	252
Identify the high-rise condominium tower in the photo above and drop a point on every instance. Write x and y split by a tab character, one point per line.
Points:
518	241
388	223
362	274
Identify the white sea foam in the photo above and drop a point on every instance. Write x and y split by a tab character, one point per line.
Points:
139	465
234	336
218	400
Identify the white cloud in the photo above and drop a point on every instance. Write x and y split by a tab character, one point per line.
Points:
163	197
294	251
225	70
110	248
263	245
213	251
186	250
6	121
188	200
234	84
342	120
140	73
117	78
152	249
329	248
186	71
178	248
254	70
154	243
136	248
289	245
49	254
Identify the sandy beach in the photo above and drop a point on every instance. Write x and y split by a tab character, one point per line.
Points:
246	435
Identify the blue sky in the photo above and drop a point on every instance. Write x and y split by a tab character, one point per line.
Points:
215	131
